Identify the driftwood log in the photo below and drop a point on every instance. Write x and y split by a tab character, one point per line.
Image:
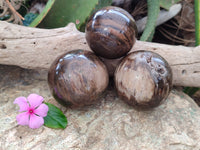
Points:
35	48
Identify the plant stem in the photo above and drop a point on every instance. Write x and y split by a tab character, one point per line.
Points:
191	90
197	21
153	12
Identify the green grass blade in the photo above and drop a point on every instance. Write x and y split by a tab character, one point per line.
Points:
191	90
197	21
153	12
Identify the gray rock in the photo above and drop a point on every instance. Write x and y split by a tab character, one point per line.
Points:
109	125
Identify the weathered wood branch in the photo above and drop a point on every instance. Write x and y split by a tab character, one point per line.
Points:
37	48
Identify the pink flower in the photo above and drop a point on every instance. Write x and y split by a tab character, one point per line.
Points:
33	111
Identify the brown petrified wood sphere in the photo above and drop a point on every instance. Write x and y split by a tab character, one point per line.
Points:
143	79
77	78
110	32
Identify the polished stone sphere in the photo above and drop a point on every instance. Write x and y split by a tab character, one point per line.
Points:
77	78
143	79
110	32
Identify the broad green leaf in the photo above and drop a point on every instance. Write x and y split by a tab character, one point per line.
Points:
43	14
168	3
55	118
63	12
99	5
153	11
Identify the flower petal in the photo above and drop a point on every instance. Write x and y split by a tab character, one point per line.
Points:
35	100
22	102
35	121
42	110
23	118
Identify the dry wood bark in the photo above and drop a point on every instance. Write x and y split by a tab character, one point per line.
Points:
37	48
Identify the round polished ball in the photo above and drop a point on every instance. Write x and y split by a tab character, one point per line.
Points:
77	78
110	32
143	79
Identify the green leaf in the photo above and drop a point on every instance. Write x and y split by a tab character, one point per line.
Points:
153	11
99	5
63	12
168	3
55	118
43	14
